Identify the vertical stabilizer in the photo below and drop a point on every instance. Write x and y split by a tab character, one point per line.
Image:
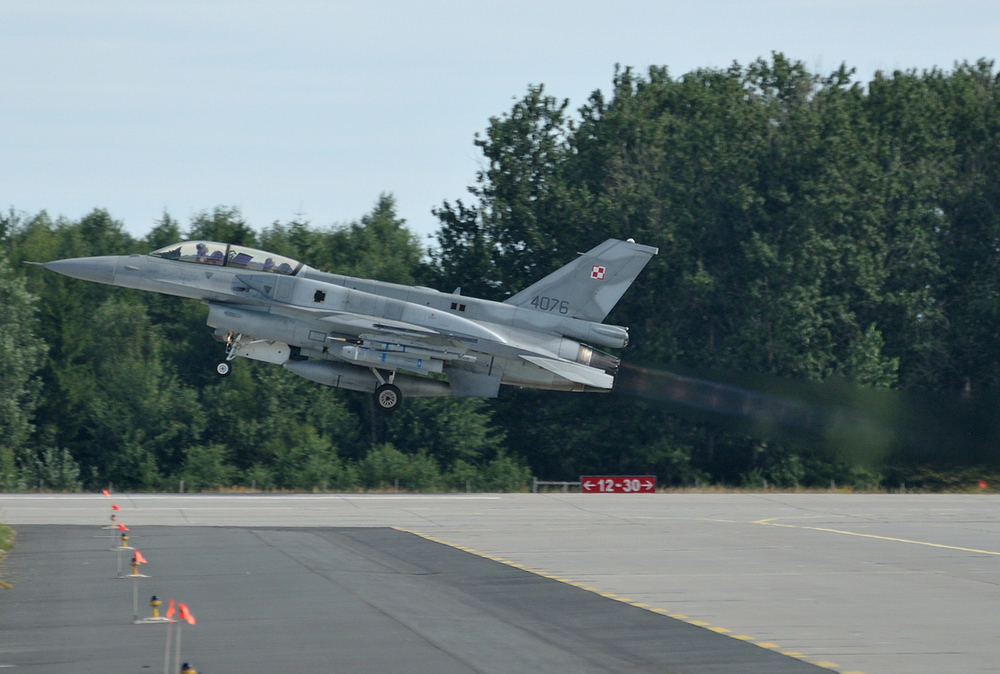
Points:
590	286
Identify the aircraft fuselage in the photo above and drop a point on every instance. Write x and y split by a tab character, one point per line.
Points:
345	331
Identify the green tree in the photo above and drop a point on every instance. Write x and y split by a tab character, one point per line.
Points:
448	429
385	466
378	246
222	224
21	357
527	218
271	420
165	232
138	417
206	467
808	226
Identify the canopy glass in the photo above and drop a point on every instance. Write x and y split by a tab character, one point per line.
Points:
225	255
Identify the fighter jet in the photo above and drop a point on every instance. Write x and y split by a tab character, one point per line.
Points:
360	334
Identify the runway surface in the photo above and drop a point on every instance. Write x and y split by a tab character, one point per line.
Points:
336	600
879	584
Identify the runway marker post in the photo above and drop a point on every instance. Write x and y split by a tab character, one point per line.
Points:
114	518
170	624
183	615
156	618
124	546
124	537
114	521
137	559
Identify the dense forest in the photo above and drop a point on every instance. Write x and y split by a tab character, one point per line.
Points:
812	228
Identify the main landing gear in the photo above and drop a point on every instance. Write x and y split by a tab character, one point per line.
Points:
387	395
223	368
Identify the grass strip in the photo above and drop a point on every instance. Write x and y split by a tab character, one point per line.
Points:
6	543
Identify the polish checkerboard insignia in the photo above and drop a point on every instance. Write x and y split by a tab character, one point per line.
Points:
597	272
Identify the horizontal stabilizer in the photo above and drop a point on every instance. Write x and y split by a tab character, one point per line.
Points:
574	372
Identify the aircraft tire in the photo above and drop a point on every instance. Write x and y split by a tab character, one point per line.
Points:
223	368
388	397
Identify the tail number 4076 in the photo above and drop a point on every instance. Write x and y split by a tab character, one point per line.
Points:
550	304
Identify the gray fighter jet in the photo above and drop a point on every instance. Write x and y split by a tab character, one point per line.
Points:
359	334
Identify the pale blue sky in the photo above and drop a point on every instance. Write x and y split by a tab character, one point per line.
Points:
317	107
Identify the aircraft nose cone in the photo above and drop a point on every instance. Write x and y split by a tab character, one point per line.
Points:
97	269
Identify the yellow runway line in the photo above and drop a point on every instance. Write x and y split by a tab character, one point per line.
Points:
771	523
611	595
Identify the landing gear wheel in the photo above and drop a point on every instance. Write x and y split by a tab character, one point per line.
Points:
387	397
223	368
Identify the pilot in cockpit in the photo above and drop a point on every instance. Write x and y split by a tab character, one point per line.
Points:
203	256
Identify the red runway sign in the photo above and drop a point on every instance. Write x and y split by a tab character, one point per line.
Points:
617	484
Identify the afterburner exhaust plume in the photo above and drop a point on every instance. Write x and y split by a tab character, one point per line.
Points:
854	423
767	407
714	397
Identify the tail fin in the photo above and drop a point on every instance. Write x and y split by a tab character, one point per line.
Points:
590	286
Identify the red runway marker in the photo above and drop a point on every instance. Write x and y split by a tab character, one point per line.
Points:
185	614
617	484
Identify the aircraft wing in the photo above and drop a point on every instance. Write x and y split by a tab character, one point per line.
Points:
375	329
575	372
349	323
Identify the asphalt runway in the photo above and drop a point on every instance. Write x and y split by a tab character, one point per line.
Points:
879	584
335	600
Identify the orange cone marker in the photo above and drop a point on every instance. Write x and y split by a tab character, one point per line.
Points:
185	614
137	559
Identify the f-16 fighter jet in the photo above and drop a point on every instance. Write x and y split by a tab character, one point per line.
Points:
361	335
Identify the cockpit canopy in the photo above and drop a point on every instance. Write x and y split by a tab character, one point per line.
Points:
226	255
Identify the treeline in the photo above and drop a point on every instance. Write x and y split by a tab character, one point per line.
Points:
810	227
